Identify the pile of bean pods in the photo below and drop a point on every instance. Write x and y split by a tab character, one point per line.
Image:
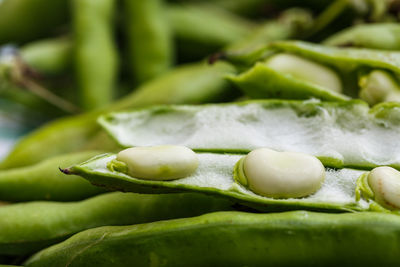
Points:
200	133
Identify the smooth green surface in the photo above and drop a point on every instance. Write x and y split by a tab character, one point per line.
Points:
340	134
202	28
262	81
24	20
48	56
385	36
192	83
95	57
28	227
150	44
237	239
215	176
44	181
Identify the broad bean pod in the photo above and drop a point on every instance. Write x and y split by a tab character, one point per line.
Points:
291	23
150	43
236	239
194	83
262	80
383	36
216	176
340	134
28	227
43	181
96	59
24	20
201	29
48	56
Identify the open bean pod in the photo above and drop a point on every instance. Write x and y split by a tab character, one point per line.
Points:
300	70
215	175
340	134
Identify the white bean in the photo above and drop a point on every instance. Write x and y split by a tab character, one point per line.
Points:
379	86
165	162
282	174
385	183
306	70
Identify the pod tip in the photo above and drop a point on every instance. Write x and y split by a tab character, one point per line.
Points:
215	57
65	171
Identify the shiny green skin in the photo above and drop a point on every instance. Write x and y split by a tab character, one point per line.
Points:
96	59
44	181
24	20
385	36
341	59
194	83
29	227
48	56
236	239
150	44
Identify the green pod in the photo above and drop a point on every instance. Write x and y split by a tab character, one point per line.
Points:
216	175
28	227
347	63
194	83
385	36
340	134
44	181
150	44
96	59
263	7
24	20
48	56
261	81
201	29
236	239
290	24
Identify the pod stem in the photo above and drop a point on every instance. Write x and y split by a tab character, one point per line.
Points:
118	166
22	75
238	172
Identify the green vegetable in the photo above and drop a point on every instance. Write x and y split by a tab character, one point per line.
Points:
194	83
291	23
149	39
263	80
215	176
385	36
96	59
165	162
236	239
379	86
380	187
201	29
340	134
28	227
44	181
48	56
280	174
290	77
24	20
